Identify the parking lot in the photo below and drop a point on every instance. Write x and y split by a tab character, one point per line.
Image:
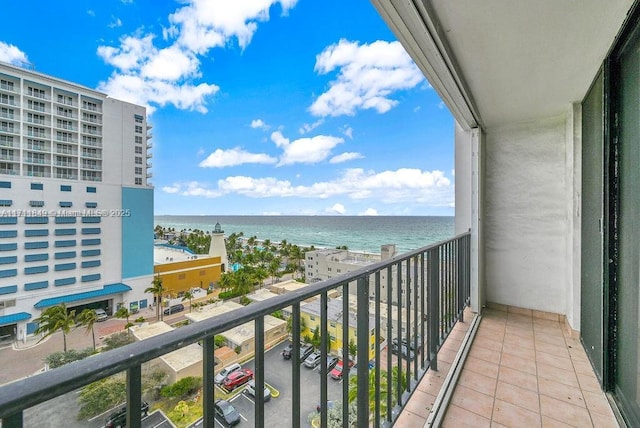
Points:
278	374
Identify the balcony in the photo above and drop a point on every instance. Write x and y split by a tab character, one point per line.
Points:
9	130
10	116
9	88
438	274
8	171
11	158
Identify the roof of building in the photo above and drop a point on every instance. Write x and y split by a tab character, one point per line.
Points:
165	253
208	311
183	357
334	312
68	298
147	330
261	295
246	331
288	286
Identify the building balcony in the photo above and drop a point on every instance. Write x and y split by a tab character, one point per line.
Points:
9	102
11	158
440	272
37	95
8	171
9	130
10	88
5	143
10	116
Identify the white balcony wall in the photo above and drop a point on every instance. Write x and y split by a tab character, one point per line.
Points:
527	227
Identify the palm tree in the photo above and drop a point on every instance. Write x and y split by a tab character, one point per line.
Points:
227	280
188	295
88	318
157	290
274	268
53	319
384	379
123	312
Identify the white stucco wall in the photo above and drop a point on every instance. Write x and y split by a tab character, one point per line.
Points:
525	216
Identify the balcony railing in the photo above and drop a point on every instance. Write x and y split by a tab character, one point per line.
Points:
431	285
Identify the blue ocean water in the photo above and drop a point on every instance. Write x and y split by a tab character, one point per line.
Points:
358	233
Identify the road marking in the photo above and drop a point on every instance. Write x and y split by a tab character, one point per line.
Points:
245	396
243	418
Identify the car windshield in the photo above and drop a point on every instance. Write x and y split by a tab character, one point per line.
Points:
227	409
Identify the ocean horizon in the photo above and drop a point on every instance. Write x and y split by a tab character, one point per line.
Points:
358	233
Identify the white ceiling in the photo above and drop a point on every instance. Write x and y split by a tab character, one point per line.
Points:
527	59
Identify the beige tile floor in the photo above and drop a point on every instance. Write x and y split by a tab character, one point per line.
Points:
522	371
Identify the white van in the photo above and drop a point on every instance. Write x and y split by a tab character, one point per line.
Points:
226	372
101	315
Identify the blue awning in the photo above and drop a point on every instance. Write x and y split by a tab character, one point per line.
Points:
14	318
70	298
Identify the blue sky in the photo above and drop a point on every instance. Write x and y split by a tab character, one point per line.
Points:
258	106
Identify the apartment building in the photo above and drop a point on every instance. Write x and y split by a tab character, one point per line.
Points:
76	207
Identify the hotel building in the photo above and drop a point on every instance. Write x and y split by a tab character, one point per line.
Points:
76	207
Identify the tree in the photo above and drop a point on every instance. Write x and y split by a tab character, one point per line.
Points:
274	269
188	295
353	348
123	312
88	318
53	319
384	379
157	290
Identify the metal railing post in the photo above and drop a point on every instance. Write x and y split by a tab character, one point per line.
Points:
208	381
324	344
295	368
259	371
13	421
134	396
433	304
363	340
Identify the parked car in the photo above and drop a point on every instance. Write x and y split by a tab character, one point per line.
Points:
332	360
312	360
336	373
305	351
409	343
174	309
226	371
119	418
251	390
404	350
237	378
101	315
225	413
329	406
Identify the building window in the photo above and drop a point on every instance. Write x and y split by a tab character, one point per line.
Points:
8	220
90	253
64	281
65	220
8	247
138	170
138	160
138	118
91	219
37	186
138	150
138	139
65	255
8	273
138	129
65	188
91	189
66	243
62	232
65	266
65	204
138	181
36	285
88	278
36	269
36	220
36	203
91	241
8	260
8	290
91	204
5	184
8	233
36	257
36	245
90	230
91	263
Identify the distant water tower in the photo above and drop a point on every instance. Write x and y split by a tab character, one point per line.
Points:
218	247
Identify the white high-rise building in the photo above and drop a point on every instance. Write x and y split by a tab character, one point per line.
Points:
76	207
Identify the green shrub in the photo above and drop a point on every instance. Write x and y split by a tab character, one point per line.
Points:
117	340
220	341
278	314
183	388
244	301
140	320
226	295
58	359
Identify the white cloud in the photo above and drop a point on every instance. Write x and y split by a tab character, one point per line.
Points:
153	75
370	212
115	23
304	150
171	189
259	124
368	75
348	131
204	24
126	1
236	156
306	128
405	185
12	55
91	12
336	209
344	157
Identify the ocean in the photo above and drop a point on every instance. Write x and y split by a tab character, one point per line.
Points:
358	233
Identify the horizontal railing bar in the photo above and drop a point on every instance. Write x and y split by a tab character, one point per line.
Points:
25	393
